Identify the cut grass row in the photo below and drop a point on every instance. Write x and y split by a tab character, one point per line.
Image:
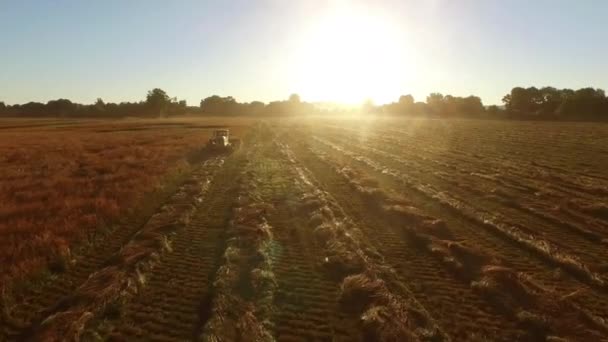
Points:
522	212
469	230
535	308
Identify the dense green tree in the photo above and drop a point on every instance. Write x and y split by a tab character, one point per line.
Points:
522	100
61	107
218	105
158	101
178	107
551	103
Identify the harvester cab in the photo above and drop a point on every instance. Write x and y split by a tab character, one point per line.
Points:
220	141
220	138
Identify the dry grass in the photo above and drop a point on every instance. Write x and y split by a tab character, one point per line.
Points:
383	317
124	274
244	284
61	183
541	310
597	210
462	259
418	225
385	314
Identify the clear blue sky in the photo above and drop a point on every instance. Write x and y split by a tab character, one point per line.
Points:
260	50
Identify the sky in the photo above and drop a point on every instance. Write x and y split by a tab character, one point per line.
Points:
345	51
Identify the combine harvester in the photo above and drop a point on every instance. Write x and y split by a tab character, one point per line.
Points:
220	142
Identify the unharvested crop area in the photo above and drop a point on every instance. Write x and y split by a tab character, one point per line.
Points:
321	229
65	181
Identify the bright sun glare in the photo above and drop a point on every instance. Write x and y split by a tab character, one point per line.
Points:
350	55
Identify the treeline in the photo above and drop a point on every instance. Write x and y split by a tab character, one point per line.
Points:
548	103
156	104
436	105
217	105
531	103
552	103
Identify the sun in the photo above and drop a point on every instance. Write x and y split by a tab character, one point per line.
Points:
350	55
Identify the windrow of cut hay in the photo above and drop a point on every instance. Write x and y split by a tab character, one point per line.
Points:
589	231
494	222
245	284
124	274
386	308
543	312
529	177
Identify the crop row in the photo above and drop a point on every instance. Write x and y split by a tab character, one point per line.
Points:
527	242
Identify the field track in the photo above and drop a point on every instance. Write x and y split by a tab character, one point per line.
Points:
336	233
177	297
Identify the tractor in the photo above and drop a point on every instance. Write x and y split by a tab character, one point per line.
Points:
220	141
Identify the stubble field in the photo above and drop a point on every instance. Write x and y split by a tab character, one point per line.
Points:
387	230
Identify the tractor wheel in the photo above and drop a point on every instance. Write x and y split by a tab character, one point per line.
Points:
235	144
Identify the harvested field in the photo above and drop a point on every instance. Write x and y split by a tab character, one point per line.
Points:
315	230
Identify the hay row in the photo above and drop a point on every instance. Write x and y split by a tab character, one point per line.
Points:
244	286
493	222
588	234
542	311
124	273
367	285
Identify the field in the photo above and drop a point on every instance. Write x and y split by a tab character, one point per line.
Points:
315	230
63	181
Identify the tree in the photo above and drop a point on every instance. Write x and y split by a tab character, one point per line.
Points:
254	108
294	98
435	103
585	104
470	106
158	101
524	101
406	100
493	111
99	106
32	109
404	106
179	107
552	103
550	100
219	105
368	106
60	107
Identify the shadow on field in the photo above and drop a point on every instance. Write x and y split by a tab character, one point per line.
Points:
201	154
